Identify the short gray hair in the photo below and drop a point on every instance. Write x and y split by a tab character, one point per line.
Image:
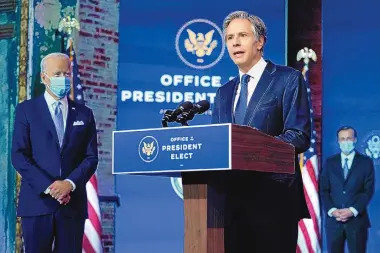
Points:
258	26
43	64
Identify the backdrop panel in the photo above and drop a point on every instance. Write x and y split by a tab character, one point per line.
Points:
351	91
160	67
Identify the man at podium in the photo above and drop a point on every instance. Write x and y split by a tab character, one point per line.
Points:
273	99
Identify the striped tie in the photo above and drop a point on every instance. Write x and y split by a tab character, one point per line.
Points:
345	168
241	107
58	122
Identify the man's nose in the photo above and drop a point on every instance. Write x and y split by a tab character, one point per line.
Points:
236	42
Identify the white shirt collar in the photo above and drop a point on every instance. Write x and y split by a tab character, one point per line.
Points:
349	156
50	100
256	71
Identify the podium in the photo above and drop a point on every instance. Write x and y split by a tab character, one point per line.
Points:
204	156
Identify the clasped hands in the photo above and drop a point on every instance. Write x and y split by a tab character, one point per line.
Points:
60	190
342	215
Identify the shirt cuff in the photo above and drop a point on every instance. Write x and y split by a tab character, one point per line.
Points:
354	211
331	211
72	184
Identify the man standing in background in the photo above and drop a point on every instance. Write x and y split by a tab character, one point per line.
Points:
346	187
55	151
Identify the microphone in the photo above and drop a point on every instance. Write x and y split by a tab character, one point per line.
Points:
171	116
185	106
201	106
198	108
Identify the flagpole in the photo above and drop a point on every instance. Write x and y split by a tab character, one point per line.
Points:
309	230
305	54
67	25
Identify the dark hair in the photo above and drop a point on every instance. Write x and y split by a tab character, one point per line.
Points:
342	128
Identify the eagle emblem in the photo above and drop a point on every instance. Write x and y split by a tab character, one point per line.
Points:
373	149
148	148
200	44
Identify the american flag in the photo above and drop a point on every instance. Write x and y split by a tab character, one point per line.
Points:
92	238
309	230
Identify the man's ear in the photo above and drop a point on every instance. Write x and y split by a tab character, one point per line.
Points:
260	43
43	78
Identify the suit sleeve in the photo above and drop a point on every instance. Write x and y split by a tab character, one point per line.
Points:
82	174
325	188
216	108
365	196
22	159
296	114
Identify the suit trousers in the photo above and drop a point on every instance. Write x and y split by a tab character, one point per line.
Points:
356	238
39	233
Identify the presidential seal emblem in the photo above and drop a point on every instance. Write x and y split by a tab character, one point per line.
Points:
148	149
371	145
199	44
177	186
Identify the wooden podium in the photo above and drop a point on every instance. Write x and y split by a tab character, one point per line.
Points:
225	148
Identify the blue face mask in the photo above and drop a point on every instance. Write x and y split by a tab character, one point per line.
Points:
347	146
59	86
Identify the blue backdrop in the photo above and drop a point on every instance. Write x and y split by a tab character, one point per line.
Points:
351	91
158	69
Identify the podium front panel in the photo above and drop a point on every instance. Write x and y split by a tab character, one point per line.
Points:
164	151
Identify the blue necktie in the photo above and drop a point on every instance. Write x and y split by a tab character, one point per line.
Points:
58	121
345	168
241	106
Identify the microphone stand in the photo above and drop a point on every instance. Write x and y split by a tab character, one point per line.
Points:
167	118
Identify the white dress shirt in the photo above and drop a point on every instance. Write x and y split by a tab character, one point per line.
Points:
51	102
255	73
52	105
350	158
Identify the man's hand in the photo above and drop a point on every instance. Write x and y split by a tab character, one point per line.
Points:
345	214
342	214
60	189
337	213
65	200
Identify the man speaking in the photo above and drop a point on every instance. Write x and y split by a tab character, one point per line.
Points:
266	207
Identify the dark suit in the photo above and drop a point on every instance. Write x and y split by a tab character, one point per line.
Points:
354	191
39	159
268	221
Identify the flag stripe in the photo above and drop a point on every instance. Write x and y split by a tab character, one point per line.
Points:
92	237
87	245
306	235
95	221
92	198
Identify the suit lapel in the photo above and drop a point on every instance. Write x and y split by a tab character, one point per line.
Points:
47	119
353	166
229	95
69	122
338	168
262	86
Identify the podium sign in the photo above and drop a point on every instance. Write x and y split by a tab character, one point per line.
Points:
170	150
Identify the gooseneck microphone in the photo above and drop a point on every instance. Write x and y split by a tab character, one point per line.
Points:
171	116
198	108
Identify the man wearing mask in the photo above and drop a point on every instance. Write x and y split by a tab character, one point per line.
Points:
54	150
346	187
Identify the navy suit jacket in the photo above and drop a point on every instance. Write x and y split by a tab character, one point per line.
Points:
278	107
355	191
37	156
